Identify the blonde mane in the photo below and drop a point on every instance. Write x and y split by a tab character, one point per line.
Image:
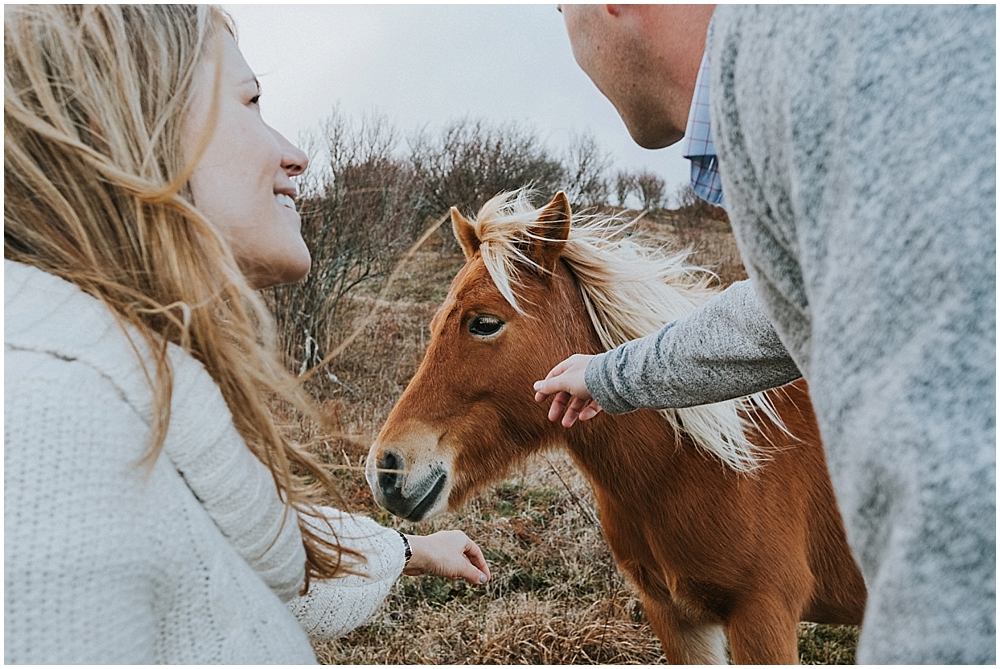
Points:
630	290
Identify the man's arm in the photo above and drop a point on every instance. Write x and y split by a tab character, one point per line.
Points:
726	348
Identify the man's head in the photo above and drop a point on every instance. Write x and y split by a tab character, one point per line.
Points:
645	60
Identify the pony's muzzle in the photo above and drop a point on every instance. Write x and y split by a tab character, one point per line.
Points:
404	493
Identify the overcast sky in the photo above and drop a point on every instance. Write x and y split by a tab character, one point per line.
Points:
425	65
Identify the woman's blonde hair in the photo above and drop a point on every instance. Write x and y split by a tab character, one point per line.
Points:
95	191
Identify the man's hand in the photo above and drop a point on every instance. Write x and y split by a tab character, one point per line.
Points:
450	554
566	385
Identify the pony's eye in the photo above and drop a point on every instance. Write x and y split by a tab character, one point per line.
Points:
485	325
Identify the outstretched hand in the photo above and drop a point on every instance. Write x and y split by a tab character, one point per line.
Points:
450	554
571	401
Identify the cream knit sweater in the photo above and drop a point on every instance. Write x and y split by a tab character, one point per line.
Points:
108	561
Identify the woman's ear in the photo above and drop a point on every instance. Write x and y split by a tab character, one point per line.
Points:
464	233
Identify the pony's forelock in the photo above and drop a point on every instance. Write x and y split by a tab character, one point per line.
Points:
630	290
502	227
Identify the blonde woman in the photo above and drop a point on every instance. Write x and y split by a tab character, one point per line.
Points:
151	505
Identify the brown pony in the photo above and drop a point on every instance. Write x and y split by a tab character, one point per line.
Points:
723	516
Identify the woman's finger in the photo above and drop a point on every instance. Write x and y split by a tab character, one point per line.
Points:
478	561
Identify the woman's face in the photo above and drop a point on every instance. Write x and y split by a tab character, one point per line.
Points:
243	181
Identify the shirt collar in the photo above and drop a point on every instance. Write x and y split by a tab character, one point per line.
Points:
698	136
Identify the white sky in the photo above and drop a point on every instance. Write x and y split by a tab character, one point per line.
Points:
425	65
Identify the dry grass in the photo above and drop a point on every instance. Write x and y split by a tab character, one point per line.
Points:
556	596
710	240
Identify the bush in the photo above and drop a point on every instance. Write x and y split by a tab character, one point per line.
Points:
471	161
648	188
625	185
651	190
586	164
357	219
694	209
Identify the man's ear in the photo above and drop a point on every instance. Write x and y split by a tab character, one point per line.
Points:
550	232
464	233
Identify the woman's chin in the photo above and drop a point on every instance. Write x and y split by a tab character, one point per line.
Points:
290	270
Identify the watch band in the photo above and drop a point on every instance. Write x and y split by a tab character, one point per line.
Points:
407	551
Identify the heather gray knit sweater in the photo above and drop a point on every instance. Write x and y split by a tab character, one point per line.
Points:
858	154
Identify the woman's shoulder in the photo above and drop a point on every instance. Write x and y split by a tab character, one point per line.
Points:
90	523
53	327
63	405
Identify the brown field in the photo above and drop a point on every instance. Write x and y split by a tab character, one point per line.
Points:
556	596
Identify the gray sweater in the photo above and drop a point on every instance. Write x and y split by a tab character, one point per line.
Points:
858	154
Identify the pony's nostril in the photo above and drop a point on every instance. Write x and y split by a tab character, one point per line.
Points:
390	460
392	480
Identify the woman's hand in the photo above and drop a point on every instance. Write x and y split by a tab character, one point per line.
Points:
570	398
450	554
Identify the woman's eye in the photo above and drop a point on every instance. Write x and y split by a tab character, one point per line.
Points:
485	325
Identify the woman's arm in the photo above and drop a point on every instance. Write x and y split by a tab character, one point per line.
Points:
332	608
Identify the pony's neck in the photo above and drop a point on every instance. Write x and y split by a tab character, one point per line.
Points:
624	450
628	452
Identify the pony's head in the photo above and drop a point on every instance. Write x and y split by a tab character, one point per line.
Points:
533	291
469	411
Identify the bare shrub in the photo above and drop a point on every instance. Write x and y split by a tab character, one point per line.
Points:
471	161
625	186
648	189
696	210
586	166
652	190
357	219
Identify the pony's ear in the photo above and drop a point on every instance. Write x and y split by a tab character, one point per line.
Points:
464	233
550	232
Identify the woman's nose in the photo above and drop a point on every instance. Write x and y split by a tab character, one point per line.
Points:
293	159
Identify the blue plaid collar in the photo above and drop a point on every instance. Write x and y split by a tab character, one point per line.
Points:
698	147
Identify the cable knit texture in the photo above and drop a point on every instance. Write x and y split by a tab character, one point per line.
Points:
190	561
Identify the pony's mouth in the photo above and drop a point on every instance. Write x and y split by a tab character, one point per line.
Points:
424	505
415	504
